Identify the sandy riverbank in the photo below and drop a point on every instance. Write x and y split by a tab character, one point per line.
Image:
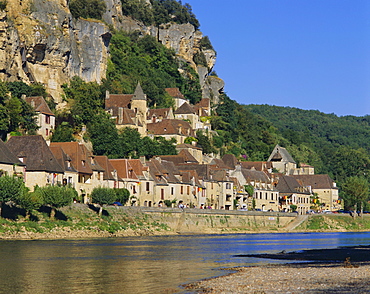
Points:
341	270
294	278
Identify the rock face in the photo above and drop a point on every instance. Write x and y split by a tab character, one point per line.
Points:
41	42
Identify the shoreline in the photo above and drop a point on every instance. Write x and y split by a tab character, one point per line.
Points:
340	270
289	278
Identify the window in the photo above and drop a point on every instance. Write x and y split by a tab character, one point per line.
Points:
46	132
47	119
182	190
172	190
147	186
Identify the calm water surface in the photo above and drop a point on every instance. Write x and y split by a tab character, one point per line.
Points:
143	264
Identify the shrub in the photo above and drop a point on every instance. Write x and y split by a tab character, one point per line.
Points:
102	195
122	195
3	4
87	8
57	196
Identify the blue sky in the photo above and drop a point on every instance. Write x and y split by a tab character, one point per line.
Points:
309	54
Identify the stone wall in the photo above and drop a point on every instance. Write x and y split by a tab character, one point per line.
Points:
219	221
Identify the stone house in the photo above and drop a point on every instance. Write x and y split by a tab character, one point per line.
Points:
159	114
90	173
291	192
325	188
265	196
194	151
70	175
146	183
217	191
177	96
45	117
42	168
128	110
171	128
197	116
9	163
110	175
282	161
130	179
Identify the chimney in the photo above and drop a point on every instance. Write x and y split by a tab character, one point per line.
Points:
120	115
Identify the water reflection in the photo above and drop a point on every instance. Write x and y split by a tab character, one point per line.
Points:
143	264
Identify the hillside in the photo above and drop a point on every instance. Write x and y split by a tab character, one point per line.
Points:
337	145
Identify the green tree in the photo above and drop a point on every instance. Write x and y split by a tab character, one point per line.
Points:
355	192
87	8
11	188
122	195
101	196
29	200
57	196
63	133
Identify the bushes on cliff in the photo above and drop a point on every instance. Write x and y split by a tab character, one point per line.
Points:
135	58
159	12
87	8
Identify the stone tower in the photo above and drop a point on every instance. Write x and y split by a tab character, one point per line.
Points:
139	105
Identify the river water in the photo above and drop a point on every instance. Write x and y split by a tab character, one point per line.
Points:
155	264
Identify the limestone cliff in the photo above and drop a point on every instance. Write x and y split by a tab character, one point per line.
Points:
41	42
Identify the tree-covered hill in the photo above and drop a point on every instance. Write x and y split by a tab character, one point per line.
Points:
336	145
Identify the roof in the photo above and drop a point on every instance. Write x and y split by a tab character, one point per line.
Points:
139	93
289	185
219	163
138	167
255	175
230	161
187	146
185	108
39	104
157	171
316	181
109	170
8	157
124	169
159	112
35	153
174	92
81	157
258	165
62	158
280	154
170	127
184	156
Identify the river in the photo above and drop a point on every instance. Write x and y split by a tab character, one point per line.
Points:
155	264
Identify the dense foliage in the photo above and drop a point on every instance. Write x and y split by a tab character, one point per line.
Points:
87	8
135	58
242	133
159	12
86	102
15	114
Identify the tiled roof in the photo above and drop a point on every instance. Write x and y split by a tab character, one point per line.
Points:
157	172
280	154
316	181
159	112
39	104
187	146
185	108
124	169
62	158
139	93
35	152
7	157
183	157
114	101
170	127
219	163
104	162
175	93
230	161
80	156
289	185
255	175
138	167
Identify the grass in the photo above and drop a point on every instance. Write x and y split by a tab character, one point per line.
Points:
82	219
